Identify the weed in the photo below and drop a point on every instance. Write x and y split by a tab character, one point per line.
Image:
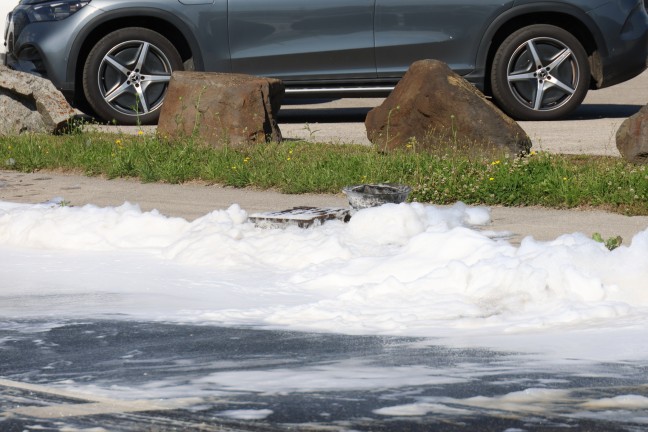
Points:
311	132
611	243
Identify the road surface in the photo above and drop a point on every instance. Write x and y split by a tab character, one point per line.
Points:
590	130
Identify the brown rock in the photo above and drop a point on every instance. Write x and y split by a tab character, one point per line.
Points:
434	105
632	137
221	109
31	104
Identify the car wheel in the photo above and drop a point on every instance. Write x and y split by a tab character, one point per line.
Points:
127	73
540	72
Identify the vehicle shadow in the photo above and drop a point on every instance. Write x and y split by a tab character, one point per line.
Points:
320	111
323	111
323	115
599	111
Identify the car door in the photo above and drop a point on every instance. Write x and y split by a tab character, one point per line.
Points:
446	30
302	39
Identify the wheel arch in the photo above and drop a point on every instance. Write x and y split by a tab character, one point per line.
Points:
571	19
168	26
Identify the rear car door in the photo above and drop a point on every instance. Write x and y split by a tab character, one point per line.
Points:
446	30
302	40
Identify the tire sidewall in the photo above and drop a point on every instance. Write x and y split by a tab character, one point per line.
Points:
499	72
91	85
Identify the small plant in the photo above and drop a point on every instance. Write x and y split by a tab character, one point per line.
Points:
199	112
453	129
611	243
387	137
311	132
74	125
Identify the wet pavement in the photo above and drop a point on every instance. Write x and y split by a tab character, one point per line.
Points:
132	376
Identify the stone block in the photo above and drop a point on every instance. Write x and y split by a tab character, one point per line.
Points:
221	109
433	105
632	137
29	103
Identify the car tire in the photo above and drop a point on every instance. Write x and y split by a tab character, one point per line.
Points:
540	72
126	75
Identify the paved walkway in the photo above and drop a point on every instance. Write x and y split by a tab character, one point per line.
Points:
197	199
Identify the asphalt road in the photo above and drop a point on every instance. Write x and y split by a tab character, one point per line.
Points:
139	376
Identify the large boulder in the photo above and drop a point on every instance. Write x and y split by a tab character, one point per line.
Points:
435	106
632	137
31	104
222	109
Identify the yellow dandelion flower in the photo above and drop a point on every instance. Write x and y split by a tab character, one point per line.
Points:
491	179
140	132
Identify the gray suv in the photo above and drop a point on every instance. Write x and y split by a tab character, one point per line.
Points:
536	58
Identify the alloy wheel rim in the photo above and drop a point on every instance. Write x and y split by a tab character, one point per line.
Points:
133	77
543	74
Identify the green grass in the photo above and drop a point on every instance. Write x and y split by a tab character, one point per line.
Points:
443	177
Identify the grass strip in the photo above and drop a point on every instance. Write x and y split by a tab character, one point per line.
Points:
443	176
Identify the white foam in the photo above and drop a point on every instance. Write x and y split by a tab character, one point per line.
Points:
246	414
328	376
404	269
629	402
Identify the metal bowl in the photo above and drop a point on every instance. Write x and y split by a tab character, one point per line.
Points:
373	195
